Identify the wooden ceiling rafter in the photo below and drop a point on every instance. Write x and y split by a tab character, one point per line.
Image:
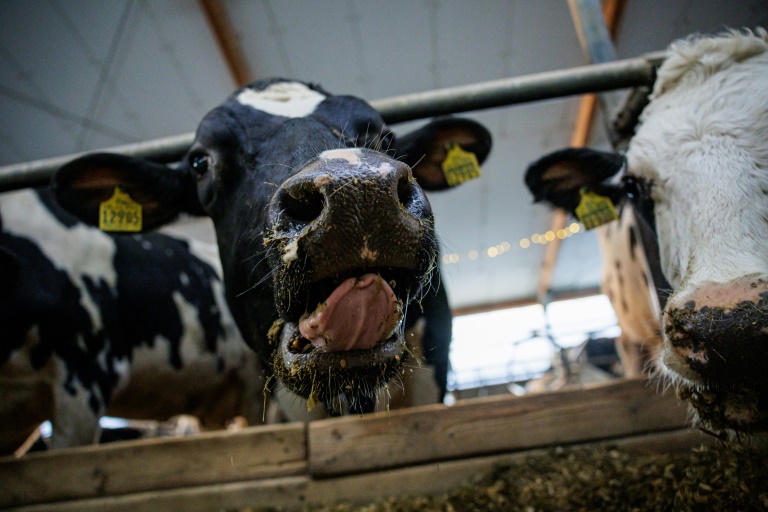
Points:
229	44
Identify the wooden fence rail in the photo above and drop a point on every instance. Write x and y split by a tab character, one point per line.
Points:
422	450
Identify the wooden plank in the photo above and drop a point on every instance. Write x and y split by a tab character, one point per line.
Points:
292	493
488	425
230	496
152	464
442	477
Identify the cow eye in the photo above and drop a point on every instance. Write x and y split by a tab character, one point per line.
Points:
638	191
200	162
635	188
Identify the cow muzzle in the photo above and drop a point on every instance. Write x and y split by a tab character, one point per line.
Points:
351	244
716	350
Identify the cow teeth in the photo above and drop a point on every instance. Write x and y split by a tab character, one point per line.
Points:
300	345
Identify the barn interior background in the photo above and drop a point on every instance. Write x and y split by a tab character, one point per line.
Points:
81	75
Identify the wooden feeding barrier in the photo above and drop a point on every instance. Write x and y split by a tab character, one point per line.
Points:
424	450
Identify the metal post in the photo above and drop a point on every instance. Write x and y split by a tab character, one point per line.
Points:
409	107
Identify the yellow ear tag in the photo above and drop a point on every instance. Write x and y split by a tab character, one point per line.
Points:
595	210
312	401
459	165
120	213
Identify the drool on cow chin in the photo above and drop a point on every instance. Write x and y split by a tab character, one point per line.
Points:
695	175
325	233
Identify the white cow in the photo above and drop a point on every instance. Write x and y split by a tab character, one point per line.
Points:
696	175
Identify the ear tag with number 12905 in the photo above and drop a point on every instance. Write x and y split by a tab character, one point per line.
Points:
120	213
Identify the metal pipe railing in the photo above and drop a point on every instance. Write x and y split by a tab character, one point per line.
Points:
37	173
452	100
607	76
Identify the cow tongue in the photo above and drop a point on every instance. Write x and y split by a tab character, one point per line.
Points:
358	314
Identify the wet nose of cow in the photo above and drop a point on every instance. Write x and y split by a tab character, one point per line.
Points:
718	333
352	199
321	192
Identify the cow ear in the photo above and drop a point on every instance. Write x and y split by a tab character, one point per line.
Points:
426	148
558	177
82	185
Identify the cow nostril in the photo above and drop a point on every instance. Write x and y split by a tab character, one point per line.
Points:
406	192
303	209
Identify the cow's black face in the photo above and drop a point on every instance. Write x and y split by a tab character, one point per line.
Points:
325	238
328	243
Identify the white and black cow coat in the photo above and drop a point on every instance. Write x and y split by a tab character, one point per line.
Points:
696	175
326	236
135	326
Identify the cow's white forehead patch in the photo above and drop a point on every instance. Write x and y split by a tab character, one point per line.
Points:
351	155
287	99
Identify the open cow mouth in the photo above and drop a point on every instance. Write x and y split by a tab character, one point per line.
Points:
737	408
348	340
725	409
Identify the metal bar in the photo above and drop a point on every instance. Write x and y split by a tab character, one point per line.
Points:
409	107
509	91
596	43
37	173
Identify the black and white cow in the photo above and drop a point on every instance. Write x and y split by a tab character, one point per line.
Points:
325	235
133	326
696	175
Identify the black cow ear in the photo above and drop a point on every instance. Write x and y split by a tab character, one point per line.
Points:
558	177
81	186
426	148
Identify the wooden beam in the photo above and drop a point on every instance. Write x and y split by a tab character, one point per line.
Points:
216	15
354	445
485	308
611	11
296	493
154	464
516	303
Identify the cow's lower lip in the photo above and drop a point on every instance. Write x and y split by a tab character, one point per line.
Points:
321	375
736	410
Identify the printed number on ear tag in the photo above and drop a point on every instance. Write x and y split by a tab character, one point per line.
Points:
595	210
120	213
459	165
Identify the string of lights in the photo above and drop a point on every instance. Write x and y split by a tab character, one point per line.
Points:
525	243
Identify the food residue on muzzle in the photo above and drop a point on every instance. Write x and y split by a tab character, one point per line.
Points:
359	313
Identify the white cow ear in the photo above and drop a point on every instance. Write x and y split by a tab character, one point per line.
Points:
559	177
84	184
426	149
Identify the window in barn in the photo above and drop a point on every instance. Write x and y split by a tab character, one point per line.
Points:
499	351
